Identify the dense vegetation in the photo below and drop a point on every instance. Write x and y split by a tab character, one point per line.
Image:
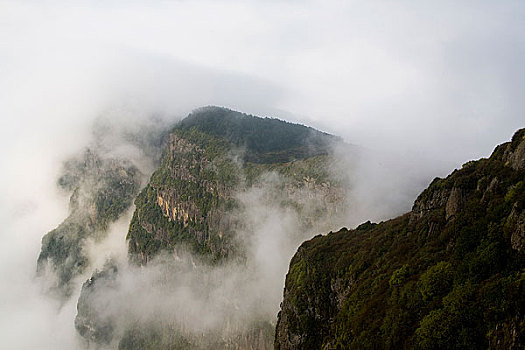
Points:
447	275
196	179
202	170
265	140
191	203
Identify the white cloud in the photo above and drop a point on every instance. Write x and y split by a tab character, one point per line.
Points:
379	73
443	80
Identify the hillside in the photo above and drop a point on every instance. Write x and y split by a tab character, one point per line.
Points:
191	197
102	189
448	274
217	165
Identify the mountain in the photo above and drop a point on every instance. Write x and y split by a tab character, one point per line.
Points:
102	180
448	274
102	190
210	156
201	222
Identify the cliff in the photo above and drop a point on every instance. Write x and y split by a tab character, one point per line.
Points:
197	201
448	274
210	157
101	190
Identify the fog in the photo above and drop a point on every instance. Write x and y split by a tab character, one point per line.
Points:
421	88
210	303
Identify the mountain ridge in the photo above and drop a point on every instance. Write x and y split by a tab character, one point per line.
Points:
448	274
195	214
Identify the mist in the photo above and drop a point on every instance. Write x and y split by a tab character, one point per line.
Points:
207	303
420	89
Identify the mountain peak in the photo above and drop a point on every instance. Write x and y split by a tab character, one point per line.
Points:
264	139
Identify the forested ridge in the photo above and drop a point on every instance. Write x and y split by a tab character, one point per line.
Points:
450	274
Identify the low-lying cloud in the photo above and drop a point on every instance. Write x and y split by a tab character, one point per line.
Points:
429	81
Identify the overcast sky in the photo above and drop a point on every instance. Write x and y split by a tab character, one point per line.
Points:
441	79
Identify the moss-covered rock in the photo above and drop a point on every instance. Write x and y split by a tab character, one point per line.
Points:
194	202
448	274
209	158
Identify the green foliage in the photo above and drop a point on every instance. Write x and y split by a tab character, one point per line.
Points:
102	190
298	272
164	335
421	280
201	172
265	140
153	337
454	325
61	249
94	326
399	276
436	281
516	194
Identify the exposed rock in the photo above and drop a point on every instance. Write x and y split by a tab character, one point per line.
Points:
517	221
215	162
514	154
455	202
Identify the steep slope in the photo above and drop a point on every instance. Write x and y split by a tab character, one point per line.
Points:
448	274
102	189
190	198
216	164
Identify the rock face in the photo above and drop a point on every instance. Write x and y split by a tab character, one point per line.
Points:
213	163
514	153
448	274
186	201
102	189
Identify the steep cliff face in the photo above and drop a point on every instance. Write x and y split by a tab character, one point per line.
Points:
186	200
448	274
211	156
215	163
102	189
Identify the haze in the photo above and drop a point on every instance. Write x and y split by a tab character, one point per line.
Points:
433	83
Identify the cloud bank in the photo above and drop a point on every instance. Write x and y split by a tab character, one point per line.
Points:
429	81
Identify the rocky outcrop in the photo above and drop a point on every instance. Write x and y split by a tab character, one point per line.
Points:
192	198
448	274
186	202
516	221
514	152
102	189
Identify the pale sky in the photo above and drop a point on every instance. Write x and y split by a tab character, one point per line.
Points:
440	80
443	79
